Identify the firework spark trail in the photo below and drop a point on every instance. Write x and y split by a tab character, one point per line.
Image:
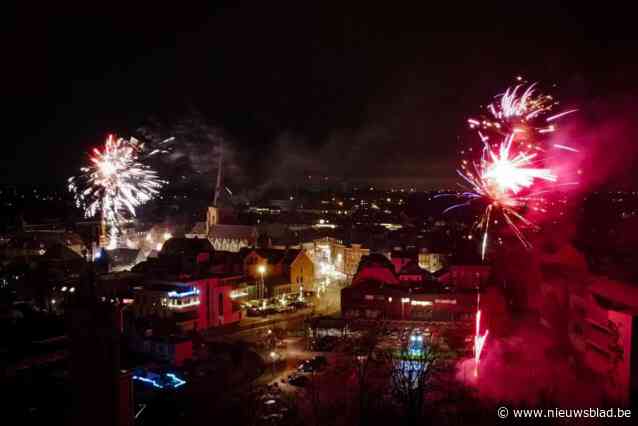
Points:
527	113
479	340
566	148
116	182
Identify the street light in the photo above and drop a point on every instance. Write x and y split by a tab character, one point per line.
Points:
273	356
262	270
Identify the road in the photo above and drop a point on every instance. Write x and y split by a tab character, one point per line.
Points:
326	303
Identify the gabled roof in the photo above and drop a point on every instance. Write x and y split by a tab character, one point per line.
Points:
199	228
191	246
404	254
60	253
291	255
272	256
233	232
412	268
376	260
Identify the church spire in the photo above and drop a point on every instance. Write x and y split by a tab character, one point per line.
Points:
218	186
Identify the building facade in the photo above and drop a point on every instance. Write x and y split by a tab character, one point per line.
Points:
345	259
190	304
602	327
283	271
224	236
372	300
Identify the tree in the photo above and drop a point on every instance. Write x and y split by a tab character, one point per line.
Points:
365	358
411	378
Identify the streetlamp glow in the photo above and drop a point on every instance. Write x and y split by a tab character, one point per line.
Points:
261	269
273	356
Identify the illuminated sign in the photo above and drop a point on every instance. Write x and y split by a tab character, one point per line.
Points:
193	292
421	303
446	301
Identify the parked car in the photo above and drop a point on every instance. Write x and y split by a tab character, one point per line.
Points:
320	361
254	312
297	305
325	344
285	309
315	364
298	380
306	366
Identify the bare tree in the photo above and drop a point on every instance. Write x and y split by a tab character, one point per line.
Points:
366	357
411	378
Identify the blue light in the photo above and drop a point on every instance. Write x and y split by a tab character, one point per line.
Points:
178	382
151	381
416	345
162	383
193	292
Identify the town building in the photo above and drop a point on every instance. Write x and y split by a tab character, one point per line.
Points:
282	271
36	243
174	350
224	236
220	227
378	291
598	319
189	303
102	391
373	300
182	290
344	258
467	276
376	267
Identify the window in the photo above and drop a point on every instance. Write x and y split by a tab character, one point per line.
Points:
421	312
372	313
440	315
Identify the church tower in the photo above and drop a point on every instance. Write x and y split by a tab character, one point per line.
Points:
212	214
212	218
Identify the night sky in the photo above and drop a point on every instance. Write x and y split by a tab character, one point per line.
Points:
376	92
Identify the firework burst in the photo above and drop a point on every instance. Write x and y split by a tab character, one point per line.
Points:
521	110
510	174
116	182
